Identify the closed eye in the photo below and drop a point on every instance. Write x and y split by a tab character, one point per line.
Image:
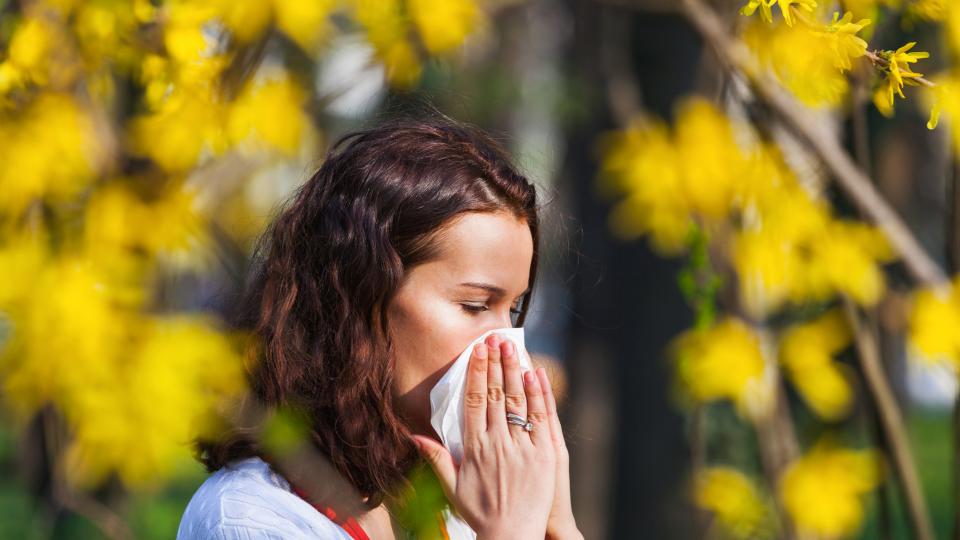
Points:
479	308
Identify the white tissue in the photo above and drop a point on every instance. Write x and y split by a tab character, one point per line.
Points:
446	397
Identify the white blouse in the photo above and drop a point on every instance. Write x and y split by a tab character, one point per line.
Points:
246	500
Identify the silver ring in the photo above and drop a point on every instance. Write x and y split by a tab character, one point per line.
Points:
518	420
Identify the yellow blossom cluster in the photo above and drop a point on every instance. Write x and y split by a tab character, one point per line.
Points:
783	241
135	388
112	114
806	354
733	499
440	26
898	73
933	322
728	361
725	362
823	490
784	48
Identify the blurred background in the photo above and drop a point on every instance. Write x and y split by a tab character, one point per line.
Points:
705	280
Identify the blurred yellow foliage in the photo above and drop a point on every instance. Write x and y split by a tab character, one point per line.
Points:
806	353
725	362
166	391
823	490
107	109
934	319
732	497
815	79
50	150
254	113
785	244
440	26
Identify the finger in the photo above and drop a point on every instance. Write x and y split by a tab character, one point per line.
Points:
496	417
550	401
537	410
475	395
515	399
441	461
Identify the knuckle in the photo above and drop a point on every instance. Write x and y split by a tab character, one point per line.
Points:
495	393
516	400
479	366
474	399
536	417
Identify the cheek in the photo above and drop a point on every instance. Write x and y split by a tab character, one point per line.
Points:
428	336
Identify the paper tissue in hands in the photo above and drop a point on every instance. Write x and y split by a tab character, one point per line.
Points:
446	397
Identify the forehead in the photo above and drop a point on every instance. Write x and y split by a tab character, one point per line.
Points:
496	248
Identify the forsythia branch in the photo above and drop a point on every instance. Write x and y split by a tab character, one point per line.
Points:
850	178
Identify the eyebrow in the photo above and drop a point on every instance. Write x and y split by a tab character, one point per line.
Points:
491	288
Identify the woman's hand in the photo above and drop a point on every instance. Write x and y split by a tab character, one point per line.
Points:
504	486
561	525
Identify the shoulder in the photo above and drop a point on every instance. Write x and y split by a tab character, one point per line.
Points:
246	499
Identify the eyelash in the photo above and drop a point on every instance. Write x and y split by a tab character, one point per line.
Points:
472	309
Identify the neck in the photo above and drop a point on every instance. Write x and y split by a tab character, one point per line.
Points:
378	523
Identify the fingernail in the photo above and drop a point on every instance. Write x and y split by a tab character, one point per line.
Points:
494	340
480	349
508	348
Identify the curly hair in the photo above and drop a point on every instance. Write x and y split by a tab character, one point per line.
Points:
328	267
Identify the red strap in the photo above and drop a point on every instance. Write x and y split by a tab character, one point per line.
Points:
349	524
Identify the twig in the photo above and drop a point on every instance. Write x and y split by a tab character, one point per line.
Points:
824	144
883	63
892	422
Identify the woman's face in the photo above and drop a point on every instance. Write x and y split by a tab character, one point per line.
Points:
480	274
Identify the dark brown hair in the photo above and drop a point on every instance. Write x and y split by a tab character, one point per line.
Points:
328	267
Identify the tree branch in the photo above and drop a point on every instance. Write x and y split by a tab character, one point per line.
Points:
823	143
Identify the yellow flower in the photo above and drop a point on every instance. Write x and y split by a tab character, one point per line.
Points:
934	323
766	11
49	151
387	30
170	389
22	258
841	37
443	25
815	79
641	160
898	73
304	22
787	5
795	251
39	364
697	172
806	353
724	362
823	490
929	10
271	115
734	500
712	165
185	127
30	44
246	19
119	225
900	61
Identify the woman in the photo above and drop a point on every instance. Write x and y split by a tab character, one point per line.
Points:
411	240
